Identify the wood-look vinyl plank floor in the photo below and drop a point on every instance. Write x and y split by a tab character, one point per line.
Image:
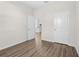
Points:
48	49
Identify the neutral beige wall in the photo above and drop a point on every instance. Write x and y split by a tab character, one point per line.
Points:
13	23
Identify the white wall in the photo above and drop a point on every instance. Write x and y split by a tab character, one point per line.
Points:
13	23
70	11
46	15
28	12
77	26
64	11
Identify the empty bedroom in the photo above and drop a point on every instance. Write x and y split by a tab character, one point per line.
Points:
39	28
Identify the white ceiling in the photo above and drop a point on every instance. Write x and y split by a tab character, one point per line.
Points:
36	4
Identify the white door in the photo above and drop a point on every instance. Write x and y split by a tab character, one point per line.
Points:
62	27
31	27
